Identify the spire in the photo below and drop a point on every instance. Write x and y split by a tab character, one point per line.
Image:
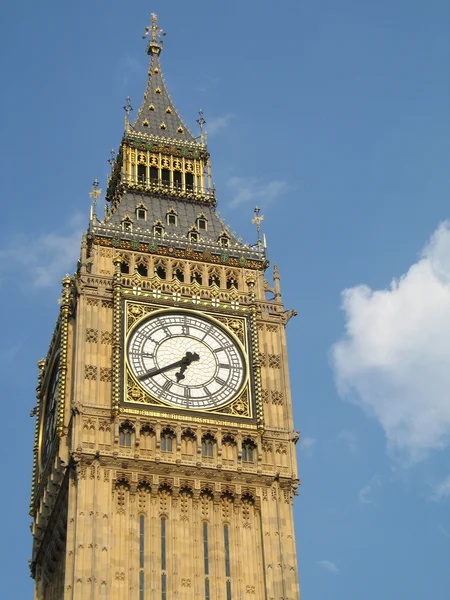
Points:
157	115
160	193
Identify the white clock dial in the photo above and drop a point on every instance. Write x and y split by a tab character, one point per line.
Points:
186	360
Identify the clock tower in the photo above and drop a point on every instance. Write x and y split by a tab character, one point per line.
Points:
164	458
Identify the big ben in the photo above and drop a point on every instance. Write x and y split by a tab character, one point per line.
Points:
164	458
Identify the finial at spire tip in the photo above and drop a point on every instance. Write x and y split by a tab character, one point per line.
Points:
156	33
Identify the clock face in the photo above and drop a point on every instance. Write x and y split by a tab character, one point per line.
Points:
186	360
49	422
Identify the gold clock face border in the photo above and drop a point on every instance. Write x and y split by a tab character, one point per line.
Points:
48	379
239	406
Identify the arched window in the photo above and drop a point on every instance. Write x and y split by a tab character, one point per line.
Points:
177	179
154	174
232	280
214	279
189	178
160	271
127	225
196	276
142	269
126	435
142	173
208	443
165	175
172	217
141	213
248	451
167	437
158	228
193	236
124	267
179	274
202	223
224	241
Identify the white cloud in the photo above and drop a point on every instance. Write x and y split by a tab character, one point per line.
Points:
129	69
206	84
253	189
45	259
307	444
441	490
394	359
328	565
349	439
365	494
215	125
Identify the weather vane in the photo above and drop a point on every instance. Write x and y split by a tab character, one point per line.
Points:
257	219
127	108
155	31
201	121
94	194
112	160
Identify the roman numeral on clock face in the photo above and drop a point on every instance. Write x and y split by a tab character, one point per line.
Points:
167	385
222	349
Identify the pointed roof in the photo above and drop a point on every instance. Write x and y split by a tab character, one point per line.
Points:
157	114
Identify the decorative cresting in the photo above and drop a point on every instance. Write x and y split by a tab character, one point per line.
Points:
66	303
158	153
181	247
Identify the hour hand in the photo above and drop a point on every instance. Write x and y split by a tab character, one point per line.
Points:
190	357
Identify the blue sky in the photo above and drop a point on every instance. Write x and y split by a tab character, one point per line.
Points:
334	118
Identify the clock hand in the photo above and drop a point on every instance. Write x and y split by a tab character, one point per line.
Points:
158	370
190	357
185	361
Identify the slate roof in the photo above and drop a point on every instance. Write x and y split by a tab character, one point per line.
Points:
157	208
174	236
157	108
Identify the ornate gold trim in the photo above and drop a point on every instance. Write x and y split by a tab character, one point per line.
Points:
66	300
115	387
255	357
188	253
190	418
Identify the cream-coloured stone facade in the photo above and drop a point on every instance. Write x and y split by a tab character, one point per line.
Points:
133	498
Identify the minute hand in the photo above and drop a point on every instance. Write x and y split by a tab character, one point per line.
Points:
184	362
